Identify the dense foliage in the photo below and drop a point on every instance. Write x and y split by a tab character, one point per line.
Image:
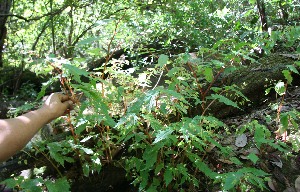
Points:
151	101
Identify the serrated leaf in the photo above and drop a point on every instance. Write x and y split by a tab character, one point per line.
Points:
284	120
293	69
158	168
267	91
150	156
87	151
208	74
288	76
162	134
58	186
86	169
253	157
76	72
261	134
231	180
168	176
229	70
224	100
162	60
202	166
94	52
235	161
149	100
88	40
32	185
55	152
44	88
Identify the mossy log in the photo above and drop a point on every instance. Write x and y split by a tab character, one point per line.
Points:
255	79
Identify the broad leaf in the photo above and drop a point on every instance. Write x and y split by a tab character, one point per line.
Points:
58	186
162	60
168	176
224	100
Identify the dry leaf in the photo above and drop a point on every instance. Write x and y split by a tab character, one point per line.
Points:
290	189
241	140
297	184
272	185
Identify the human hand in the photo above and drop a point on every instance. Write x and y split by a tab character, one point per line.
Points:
57	104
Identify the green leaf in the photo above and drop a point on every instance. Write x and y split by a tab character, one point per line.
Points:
55	150
86	169
293	69
231	180
208	74
288	76
150	155
158	168
202	166
88	40
94	52
44	87
32	185
162	134
58	186
253	157
76	72
224	100
168	176
149	100
87	151
284	120
267	91
280	88
162	60
236	161
261	134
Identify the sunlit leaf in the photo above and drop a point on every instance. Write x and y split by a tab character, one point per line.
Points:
88	40
162	60
208	73
162	134
280	88
59	185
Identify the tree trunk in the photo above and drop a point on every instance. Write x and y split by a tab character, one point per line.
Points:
4	10
262	13
284	13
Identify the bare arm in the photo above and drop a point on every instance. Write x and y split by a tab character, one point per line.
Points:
17	132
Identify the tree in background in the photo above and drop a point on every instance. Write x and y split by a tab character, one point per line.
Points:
4	11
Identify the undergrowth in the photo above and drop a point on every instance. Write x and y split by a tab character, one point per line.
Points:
159	118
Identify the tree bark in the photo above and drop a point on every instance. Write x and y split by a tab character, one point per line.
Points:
4	10
262	13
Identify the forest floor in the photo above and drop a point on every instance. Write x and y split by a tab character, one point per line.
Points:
284	168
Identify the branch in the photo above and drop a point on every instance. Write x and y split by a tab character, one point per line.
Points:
39	35
13	15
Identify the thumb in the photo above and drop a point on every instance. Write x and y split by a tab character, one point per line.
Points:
68	104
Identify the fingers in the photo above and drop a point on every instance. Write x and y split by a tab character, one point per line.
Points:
65	100
63	97
70	104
